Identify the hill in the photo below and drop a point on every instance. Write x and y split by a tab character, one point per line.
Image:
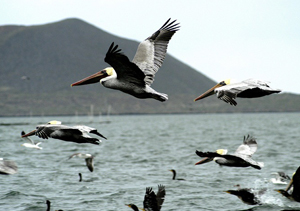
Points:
54	55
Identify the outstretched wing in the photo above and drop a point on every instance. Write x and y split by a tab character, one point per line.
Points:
74	155
150	202
125	69
43	132
227	96
248	148
57	131
160	196
152	51
90	163
87	129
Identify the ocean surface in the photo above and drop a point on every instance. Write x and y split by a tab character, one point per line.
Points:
139	152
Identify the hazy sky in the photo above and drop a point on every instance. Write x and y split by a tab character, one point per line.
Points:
222	39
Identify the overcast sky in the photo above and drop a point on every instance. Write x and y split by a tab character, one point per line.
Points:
222	39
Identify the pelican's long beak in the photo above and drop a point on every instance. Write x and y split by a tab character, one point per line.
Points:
205	160
209	92
95	78
29	134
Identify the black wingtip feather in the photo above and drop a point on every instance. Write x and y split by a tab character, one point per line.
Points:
113	49
170	26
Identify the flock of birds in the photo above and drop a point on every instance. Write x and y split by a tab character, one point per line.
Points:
135	78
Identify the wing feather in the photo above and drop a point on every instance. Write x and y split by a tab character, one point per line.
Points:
150	202
125	69
248	148
90	163
152	51
160	196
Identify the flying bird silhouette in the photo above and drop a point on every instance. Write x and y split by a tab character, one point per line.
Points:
135	78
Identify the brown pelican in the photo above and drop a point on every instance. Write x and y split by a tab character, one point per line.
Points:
241	157
8	167
54	129
281	178
250	88
248	195
174	175
136	77
89	159
152	201
294	194
31	143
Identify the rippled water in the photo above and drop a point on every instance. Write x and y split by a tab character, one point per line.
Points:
139	152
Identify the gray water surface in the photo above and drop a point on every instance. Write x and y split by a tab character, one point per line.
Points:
139	152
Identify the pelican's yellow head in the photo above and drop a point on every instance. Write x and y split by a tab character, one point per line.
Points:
227	82
109	71
222	151
54	122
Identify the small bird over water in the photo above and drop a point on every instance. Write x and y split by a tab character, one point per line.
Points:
292	191
89	159
241	157
281	178
31	143
135	78
250	88
54	129
152	201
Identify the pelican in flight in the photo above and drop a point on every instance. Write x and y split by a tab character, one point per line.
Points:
8	167
31	143
54	129
135	77
241	157
250	88
152	201
89	159
294	194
